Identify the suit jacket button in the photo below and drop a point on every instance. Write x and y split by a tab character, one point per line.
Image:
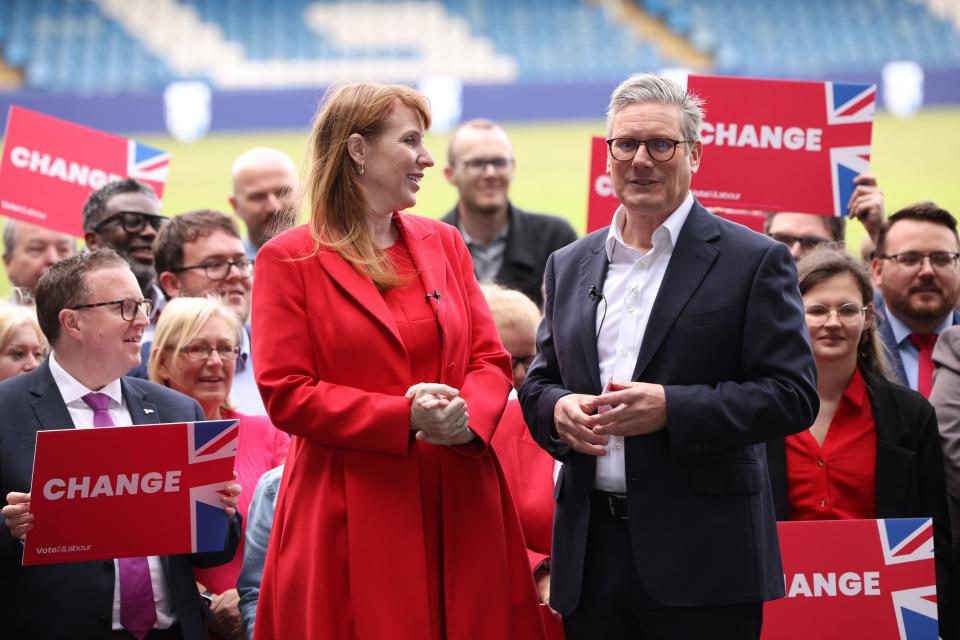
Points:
108	566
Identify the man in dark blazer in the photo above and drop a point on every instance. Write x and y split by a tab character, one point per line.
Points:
509	246
93	313
673	346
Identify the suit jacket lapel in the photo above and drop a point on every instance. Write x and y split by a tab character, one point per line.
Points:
593	273
47	403
141	410
359	288
692	258
428	256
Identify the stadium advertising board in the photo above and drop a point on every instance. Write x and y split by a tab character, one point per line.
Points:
855	579
50	166
115	492
781	145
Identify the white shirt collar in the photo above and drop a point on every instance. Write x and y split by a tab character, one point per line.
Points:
72	389
671	226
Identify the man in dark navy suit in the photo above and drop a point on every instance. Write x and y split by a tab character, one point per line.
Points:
673	346
93	313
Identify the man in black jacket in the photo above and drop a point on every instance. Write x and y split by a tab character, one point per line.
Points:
508	246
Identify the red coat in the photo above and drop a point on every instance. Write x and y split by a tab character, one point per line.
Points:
346	557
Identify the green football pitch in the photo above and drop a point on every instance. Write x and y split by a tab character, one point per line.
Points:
913	159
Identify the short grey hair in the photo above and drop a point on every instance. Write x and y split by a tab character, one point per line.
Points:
9	238
649	87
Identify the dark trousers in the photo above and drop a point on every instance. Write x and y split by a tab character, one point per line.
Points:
613	603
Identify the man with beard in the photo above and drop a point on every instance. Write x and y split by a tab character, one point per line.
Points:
915	268
264	195
200	253
125	216
508	246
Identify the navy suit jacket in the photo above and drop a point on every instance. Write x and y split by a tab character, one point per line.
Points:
890	342
727	340
75	599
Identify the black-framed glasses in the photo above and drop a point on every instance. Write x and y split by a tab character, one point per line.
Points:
524	361
660	149
939	260
128	307
806	242
132	221
847	313
201	352
220	269
479	165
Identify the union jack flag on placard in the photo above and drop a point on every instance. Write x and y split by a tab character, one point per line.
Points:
159	486
146	163
855	579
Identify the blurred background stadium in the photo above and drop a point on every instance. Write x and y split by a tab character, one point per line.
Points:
251	73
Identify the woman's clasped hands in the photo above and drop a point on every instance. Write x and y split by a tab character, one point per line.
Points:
438	414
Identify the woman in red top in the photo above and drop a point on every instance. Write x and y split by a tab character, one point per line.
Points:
375	350
195	350
874	450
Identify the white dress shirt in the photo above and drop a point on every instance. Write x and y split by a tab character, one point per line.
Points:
629	291
72	392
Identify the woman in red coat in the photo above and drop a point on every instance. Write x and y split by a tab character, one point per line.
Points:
375	350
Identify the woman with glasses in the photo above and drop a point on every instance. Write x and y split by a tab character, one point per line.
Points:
22	344
195	352
374	347
874	449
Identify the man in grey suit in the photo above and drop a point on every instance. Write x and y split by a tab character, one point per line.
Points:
93	313
690	330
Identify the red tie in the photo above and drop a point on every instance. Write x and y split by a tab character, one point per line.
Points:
924	344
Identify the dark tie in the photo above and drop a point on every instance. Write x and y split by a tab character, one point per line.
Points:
924	344
137	609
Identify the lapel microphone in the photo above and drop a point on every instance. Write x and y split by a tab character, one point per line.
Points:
595	294
435	294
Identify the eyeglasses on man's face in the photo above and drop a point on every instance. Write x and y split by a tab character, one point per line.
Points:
201	352
128	307
132	221
912	260
847	313
220	269
660	149
806	242
479	165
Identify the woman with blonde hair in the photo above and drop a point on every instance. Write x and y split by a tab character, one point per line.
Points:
195	350
375	349
22	343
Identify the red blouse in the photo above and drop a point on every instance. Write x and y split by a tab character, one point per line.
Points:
836	480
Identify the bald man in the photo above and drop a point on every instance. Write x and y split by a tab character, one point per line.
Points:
264	185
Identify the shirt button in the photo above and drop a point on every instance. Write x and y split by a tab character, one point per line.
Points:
820	463
618	446
632	309
624	354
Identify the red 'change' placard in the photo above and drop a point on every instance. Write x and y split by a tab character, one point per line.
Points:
779	145
50	166
115	492
855	579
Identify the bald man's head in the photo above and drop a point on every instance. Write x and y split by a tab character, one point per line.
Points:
264	192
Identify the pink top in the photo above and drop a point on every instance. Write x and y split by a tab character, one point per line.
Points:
261	447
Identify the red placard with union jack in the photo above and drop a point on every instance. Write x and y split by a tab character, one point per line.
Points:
50	166
115	492
782	145
855	579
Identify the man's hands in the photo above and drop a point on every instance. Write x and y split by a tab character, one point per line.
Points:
439	415
639	408
17	514
225	618
866	204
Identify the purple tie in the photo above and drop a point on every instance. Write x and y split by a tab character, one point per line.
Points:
137	609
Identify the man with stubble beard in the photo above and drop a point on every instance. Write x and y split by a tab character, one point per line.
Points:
916	270
125	216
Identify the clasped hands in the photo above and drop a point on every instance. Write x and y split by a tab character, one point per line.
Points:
438	414
638	408
19	519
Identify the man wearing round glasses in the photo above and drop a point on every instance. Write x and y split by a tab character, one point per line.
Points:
509	246
672	347
201	253
915	267
125	216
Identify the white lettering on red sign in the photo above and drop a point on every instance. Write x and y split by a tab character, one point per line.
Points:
130	484
603	186
61	169
818	585
763	137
